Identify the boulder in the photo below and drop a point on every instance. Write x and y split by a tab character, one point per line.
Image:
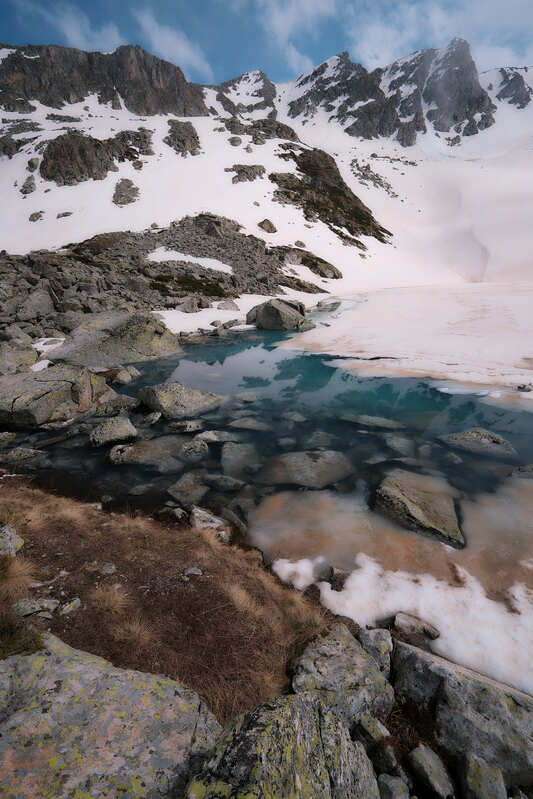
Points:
291	747
177	401
58	393
10	541
481	442
189	489
431	772
77	726
482	780
182	137
413	630
239	460
37	304
392	787
316	469
160	454
13	356
126	192
112	339
472	713
277	315
345	676
378	644
202	519
267	226
109	432
420	503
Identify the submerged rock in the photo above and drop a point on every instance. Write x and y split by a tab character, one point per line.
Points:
347	678
316	469
189	489
420	503
481	442
290	747
77	726
177	401
472	713
239	460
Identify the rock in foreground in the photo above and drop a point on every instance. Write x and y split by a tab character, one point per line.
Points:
56	394
291	748
77	726
316	469
420	503
278	315
481	442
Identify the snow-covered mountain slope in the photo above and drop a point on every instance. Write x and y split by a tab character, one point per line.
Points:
455	213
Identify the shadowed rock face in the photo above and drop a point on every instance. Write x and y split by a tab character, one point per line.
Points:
72	158
57	75
514	88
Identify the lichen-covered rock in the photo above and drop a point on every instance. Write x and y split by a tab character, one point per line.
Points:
316	469
378	644
472	713
177	401
347	679
481	442
291	747
421	503
10	541
392	787
113	339
109	432
431	772
55	394
160	454
72	725
482	780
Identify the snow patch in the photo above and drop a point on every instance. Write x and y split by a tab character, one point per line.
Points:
162	254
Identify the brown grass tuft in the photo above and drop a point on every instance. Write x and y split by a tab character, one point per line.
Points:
16	636
109	599
16	576
135	631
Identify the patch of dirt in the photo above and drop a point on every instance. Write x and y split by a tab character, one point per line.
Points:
228	633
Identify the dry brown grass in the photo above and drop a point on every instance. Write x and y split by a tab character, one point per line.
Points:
228	634
109	599
16	577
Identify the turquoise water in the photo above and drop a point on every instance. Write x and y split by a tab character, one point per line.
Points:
320	391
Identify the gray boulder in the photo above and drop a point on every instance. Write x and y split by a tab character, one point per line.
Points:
126	192
177	401
37	304
481	442
74	725
472	713
112	339
347	679
158	454
189	489
290	747
58	393
277	315
13	356
413	630
109	432
482	780
182	137
316	469
420	503
378	644
431	772
392	787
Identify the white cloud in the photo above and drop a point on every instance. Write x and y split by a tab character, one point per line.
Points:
500	33
173	44
285	20
74	24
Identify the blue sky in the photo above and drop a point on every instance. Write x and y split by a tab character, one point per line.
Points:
213	40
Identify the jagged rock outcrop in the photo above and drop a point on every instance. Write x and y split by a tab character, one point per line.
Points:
513	87
182	137
73	725
322	194
439	87
246	172
57	75
74	157
126	192
256	90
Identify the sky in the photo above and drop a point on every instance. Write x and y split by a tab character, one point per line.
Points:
215	40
